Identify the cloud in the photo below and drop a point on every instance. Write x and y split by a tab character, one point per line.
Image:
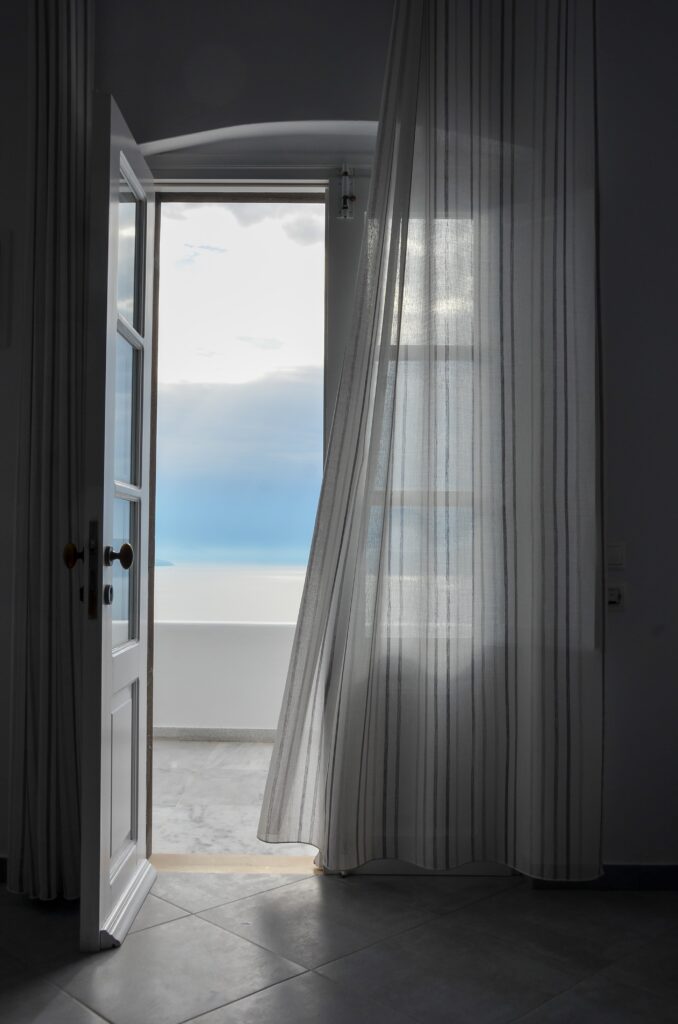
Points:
265	343
254	213
195	251
179	211
304	229
206	248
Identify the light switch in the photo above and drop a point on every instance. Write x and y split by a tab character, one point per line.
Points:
616	556
616	596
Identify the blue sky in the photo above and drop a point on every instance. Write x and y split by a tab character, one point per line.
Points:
240	389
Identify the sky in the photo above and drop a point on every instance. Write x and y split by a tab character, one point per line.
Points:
240	381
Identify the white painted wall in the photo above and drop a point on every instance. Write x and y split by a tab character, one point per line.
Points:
220	675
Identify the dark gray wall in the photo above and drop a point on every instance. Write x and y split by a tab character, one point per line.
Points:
14	129
177	67
638	90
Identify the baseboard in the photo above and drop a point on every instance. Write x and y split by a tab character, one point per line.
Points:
161	732
121	920
623	876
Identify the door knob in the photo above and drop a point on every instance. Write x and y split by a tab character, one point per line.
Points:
125	555
72	556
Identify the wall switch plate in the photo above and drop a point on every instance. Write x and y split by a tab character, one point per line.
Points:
615	596
616	556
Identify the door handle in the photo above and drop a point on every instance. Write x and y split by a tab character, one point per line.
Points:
72	556
125	555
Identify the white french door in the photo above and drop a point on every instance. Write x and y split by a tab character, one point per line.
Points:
116	874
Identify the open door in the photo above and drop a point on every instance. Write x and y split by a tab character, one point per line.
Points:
116	874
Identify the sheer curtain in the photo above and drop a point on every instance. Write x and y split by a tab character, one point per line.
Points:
444	697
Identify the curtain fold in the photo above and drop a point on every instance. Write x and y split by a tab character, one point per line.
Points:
44	826
444	699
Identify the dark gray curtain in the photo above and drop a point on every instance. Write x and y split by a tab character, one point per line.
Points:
44	842
444	698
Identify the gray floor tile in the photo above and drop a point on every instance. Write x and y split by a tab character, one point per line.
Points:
36	931
320	918
155	911
33	1001
583	931
10	966
653	966
442	894
442	972
600	1000
196	891
307	999
172	972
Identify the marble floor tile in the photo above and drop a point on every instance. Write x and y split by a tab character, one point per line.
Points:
306	999
172	972
239	787
196	892
182	755
207	798
600	1000
215	828
169	787
241	756
319	918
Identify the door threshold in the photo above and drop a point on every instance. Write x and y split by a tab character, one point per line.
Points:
234	863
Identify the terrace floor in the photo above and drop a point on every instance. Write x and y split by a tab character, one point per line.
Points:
207	797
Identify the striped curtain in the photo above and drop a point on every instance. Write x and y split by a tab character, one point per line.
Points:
444	697
44	826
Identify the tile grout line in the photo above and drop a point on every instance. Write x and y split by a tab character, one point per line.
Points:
432	916
372	998
600	972
228	903
570	988
79	1002
232	1002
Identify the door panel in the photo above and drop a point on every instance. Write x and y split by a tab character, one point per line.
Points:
116	874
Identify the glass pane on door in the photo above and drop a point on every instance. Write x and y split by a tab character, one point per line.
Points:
124	580
127	252
127	376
